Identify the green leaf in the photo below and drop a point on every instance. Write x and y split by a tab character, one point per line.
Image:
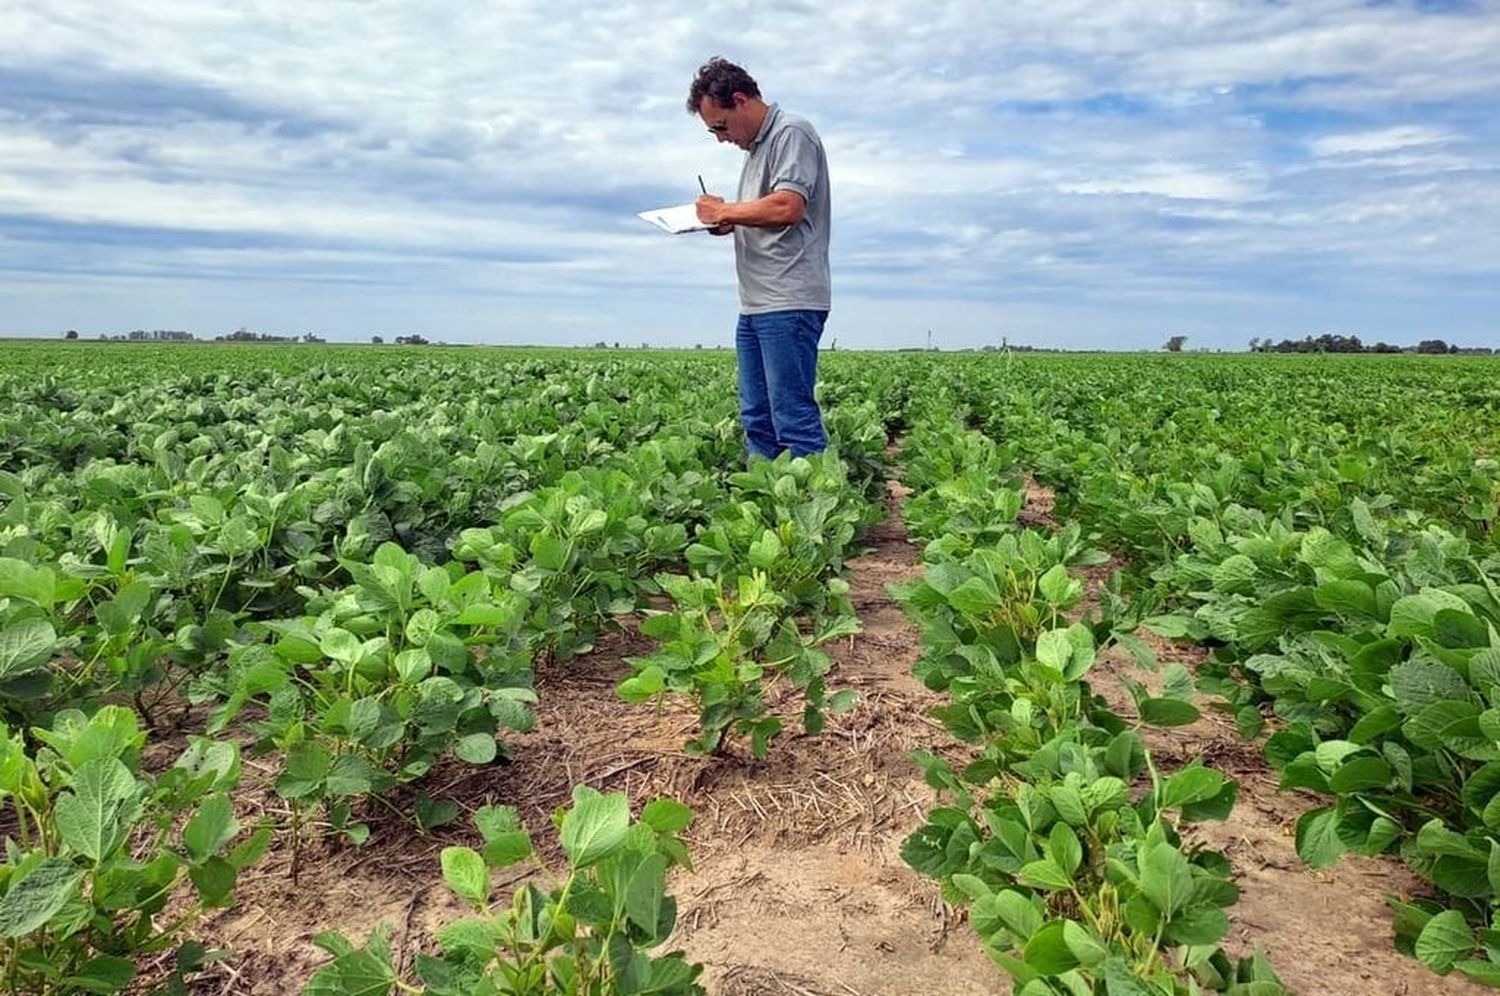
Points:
89	818
1064	848
477	748
1381	719
433	813
986	919
1047	952
1350	599
354	973
447	651
550	552
101	974
1171	627
1083	944
1459	629
20	579
1068	801
1017	912
1055	585
1168	712
1044	874
1053	649
25	646
466	874
1360	773
595	827
505	849
645	894
1126	755
1166	878
306	766
491	821
1368	668
764	551
421	625
210	828
1192	784
1217	807
250	850
413	665
340	645
37	895
1198	925
1318	841
666	815
1418	683
1484	972
842	700
351	774
1413	615
214	879
974	598
1120	981
971	885
1489	723
1445	940
651	681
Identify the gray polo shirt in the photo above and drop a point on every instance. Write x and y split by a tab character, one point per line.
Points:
785	268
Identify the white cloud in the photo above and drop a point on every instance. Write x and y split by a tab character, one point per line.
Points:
1068	156
1168	180
1380	140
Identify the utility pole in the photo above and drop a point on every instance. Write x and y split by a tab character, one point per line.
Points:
929	340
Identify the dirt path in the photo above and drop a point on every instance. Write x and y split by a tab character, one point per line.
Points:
1327	933
797	884
843	915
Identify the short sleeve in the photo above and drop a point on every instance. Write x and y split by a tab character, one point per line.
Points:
794	163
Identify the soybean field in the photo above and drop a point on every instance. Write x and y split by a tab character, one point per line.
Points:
355	670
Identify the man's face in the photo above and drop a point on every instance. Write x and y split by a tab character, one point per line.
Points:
727	124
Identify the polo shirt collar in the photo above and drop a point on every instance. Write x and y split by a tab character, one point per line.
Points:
765	126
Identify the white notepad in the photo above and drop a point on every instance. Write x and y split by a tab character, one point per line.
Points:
675	220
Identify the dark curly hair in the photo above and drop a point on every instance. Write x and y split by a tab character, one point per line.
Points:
720	79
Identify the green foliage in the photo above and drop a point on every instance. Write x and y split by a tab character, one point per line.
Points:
1329	531
266	530
394	670
796	520
591	933
101	847
723	648
1074	888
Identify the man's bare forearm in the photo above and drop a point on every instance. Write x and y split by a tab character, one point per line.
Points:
777	209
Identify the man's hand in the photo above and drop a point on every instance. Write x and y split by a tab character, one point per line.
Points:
711	211
721	230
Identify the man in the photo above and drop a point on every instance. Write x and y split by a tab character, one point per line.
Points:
780	228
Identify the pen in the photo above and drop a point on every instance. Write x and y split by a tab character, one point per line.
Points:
701	186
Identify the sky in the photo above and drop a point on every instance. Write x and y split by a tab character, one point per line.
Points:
1059	174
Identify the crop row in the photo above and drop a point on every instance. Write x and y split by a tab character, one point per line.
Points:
1062	835
358	592
1339	560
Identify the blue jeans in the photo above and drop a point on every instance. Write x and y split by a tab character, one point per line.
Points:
778	366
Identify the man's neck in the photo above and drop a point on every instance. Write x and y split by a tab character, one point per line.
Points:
758	110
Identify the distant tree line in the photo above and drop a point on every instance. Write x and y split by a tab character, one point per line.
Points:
1333	342
243	334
